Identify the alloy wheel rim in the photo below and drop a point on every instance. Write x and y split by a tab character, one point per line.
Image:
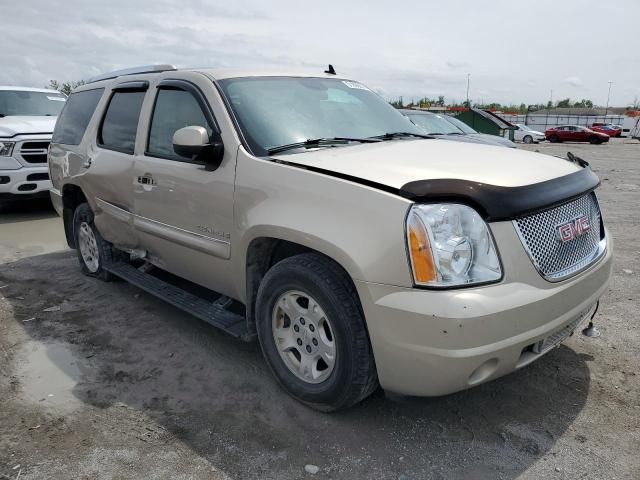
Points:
304	337
88	247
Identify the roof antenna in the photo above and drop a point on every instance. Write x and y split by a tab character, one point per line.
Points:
331	70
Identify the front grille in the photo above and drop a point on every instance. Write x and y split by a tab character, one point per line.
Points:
34	152
556	259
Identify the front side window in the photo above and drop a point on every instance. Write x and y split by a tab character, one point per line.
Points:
120	123
75	116
26	103
273	111
174	109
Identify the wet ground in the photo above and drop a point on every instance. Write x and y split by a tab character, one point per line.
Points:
99	380
28	229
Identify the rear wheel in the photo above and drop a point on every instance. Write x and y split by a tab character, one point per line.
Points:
554	139
93	251
527	139
312	333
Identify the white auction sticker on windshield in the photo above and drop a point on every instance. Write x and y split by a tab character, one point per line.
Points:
57	99
357	85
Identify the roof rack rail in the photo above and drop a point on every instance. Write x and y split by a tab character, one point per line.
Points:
132	71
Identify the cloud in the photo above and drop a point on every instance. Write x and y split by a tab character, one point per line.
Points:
574	82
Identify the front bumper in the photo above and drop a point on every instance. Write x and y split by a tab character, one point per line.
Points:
429	343
25	181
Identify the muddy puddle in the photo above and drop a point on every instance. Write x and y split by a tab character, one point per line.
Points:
48	373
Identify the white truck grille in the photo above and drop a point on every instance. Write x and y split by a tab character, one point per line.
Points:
34	151
555	257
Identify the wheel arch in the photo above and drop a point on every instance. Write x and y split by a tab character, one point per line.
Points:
265	250
72	196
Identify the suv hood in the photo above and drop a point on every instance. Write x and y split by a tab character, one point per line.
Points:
397	162
24	125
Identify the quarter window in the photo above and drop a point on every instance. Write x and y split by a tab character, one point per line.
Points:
118	130
174	109
75	116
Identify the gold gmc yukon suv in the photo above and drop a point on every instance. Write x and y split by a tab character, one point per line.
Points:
304	210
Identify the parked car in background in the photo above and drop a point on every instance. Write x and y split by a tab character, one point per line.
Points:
266	188
471	133
27	118
437	126
526	134
608	129
574	133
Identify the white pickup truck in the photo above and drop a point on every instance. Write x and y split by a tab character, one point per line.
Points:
27	118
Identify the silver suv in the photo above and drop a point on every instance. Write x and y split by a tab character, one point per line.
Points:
304	210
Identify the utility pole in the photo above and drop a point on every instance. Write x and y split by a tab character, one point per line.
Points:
606	110
468	78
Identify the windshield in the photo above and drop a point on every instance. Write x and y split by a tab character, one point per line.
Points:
461	125
434	124
20	102
274	111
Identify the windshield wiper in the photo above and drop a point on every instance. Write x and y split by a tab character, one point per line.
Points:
319	142
455	133
392	135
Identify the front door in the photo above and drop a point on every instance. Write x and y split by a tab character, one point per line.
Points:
184	213
110	163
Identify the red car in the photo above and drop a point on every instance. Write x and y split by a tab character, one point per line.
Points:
574	133
607	128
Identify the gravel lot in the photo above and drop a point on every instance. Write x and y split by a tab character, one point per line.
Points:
100	380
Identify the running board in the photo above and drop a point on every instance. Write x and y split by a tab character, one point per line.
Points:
214	313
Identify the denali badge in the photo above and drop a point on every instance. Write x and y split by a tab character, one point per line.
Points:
574	228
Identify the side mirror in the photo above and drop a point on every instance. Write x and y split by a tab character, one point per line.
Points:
194	142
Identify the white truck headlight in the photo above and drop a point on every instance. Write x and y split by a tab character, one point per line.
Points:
450	245
6	148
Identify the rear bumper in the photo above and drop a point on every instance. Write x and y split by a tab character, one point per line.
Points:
430	343
25	182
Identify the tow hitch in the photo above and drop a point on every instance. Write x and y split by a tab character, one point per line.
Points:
591	330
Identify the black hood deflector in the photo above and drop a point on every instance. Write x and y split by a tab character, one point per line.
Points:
504	203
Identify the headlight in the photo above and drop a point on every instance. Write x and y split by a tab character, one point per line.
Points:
450	245
6	148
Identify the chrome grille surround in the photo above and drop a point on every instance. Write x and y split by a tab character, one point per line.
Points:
556	260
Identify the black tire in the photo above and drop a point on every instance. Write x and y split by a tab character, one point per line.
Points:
353	377
554	139
595	140
105	251
527	139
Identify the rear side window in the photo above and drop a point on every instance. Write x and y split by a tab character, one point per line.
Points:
174	109
120	123
75	116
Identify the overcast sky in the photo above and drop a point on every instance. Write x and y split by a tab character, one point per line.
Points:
515	51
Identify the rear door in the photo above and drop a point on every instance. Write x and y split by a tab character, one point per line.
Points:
184	213
110	164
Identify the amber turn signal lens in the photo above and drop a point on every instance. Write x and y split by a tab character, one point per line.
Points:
421	258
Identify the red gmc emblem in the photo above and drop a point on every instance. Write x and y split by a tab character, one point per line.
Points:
574	228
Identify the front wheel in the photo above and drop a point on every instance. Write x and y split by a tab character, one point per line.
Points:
312	333
594	140
554	139
527	139
93	250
